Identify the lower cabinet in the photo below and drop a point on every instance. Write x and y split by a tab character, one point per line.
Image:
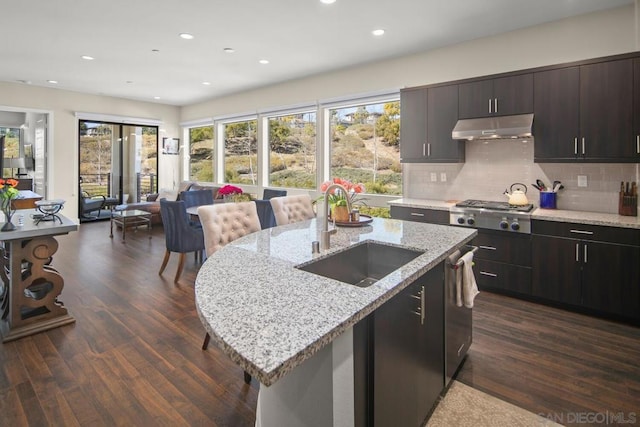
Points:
431	216
597	268
503	261
402	355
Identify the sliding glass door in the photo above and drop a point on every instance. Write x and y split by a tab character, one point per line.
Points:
117	160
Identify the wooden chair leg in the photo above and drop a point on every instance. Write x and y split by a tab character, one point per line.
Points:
167	254
247	378
205	344
180	267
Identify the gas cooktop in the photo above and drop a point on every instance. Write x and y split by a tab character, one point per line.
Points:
497	206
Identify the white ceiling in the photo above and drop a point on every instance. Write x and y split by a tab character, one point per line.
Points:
43	40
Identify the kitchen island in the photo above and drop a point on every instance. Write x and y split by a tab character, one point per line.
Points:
275	320
30	286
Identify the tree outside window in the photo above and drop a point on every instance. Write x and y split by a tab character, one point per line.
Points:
241	152
292	150
365	146
201	160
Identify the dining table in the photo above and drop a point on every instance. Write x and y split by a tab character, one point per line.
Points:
263	207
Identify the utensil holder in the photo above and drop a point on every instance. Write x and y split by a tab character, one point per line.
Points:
627	205
548	199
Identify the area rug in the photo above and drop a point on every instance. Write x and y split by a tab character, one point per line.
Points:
465	406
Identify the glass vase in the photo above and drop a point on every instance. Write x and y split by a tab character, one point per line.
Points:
8	214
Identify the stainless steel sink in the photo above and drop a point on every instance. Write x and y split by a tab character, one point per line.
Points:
362	265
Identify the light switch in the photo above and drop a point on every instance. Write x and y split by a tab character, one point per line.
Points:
582	180
434	177
443	176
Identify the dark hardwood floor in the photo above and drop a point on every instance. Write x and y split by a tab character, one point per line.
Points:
133	356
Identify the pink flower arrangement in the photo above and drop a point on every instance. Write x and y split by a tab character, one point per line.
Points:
229	189
337	197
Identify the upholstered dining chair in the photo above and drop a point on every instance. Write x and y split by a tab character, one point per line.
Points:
180	236
223	223
270	193
289	209
197	198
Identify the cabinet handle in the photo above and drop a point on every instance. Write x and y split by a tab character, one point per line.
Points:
429	149
585	253
489	248
581	232
486	273
489	105
577	252
416	296
422	308
423	149
638	144
416	214
495	105
583	145
575	145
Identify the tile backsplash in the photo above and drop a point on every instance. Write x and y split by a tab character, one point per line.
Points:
492	166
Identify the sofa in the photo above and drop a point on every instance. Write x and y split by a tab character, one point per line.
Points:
152	204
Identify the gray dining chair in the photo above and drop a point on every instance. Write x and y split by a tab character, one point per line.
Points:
180	236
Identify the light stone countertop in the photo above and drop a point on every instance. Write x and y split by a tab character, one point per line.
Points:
269	316
559	215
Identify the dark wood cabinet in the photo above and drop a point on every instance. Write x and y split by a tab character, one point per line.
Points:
556	114
496	97
413	124
408	353
606	110
636	104
431	216
590	267
503	261
428	117
585	113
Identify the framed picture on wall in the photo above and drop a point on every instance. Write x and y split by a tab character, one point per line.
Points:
170	145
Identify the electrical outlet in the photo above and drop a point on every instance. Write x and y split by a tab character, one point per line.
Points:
434	177
582	180
443	176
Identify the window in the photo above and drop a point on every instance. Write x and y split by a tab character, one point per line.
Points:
292	150
365	146
241	152
11	148
201	153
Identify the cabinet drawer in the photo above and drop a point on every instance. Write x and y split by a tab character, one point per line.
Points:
503	247
496	275
596	233
432	216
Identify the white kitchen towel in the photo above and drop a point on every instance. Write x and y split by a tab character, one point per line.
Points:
469	285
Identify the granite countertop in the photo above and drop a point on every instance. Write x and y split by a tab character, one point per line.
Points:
269	316
560	215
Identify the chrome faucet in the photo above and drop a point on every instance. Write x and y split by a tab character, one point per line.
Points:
325	233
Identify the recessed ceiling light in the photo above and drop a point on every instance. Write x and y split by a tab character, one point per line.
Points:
129	82
206	83
377	32
155	50
228	50
264	61
87	57
53	82
186	36
156	97
327	1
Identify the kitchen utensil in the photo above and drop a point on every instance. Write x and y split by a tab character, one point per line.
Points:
536	187
557	185
541	185
517	197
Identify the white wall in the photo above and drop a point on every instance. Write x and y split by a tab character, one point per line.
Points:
588	36
63	145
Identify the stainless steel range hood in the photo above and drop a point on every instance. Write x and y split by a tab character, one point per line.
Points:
503	127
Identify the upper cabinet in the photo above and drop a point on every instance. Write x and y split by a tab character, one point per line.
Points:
585	113
502	96
428	117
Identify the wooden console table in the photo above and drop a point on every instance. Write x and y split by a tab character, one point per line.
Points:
29	284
